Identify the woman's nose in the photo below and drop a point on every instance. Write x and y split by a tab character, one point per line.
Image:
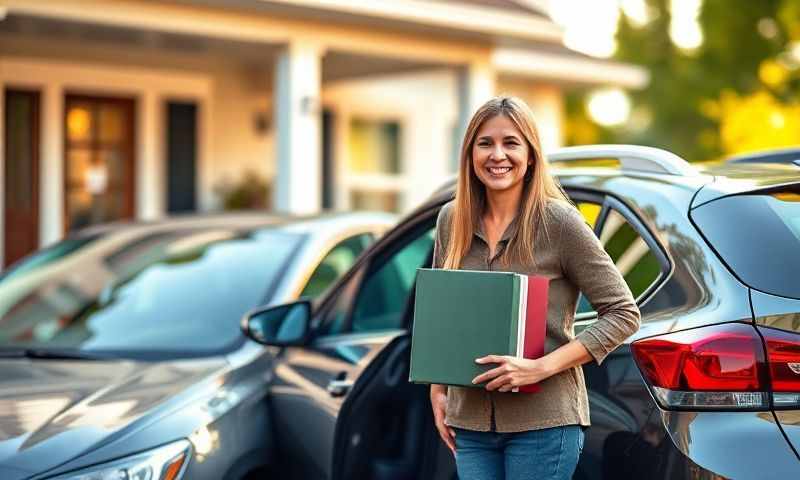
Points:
497	153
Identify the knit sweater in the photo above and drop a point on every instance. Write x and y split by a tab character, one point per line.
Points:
569	254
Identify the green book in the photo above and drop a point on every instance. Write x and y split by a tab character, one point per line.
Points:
461	315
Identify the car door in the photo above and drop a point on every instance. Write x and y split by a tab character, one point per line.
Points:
618	400
350	326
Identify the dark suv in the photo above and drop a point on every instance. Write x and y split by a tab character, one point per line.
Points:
708	388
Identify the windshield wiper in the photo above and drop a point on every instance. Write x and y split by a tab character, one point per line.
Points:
51	354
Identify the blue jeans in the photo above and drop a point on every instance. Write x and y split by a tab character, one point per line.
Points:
548	454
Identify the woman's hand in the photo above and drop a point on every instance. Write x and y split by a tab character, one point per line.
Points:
512	372
439	405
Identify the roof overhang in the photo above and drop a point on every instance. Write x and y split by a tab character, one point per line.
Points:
444	16
557	66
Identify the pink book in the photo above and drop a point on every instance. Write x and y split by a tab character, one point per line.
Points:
535	323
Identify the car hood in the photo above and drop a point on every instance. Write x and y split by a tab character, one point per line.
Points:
52	411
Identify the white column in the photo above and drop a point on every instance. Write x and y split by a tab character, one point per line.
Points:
476	85
150	182
51	171
297	113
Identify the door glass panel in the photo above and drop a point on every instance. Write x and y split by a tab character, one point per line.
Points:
335	263
99	160
633	257
79	161
112	161
383	298
79	122
111	122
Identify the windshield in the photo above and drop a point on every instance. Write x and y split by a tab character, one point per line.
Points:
169	291
758	236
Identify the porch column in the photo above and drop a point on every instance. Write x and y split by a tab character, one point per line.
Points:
476	84
297	113
51	168
150	183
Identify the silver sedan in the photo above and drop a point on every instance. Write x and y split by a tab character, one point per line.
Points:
120	355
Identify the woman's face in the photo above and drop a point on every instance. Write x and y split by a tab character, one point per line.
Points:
500	155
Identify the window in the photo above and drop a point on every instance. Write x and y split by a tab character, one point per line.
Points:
636	261
373	180
381	299
335	263
758	236
99	160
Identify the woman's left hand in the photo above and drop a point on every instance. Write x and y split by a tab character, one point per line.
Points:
511	372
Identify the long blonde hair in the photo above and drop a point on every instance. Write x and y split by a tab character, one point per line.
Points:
538	188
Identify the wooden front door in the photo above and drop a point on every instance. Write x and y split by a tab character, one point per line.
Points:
99	160
21	174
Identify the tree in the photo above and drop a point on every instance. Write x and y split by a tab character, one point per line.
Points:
736	92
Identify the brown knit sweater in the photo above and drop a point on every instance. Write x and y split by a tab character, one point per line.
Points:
571	256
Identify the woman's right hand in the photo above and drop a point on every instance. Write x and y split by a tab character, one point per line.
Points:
439	405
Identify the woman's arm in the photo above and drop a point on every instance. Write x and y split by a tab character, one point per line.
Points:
439	405
586	264
514	372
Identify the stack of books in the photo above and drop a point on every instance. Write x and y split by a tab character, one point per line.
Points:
461	315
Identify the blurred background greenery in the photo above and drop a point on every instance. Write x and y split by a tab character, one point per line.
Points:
725	78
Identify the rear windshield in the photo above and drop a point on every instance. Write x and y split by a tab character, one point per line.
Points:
758	236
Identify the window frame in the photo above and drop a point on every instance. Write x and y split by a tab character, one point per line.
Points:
328	249
609	202
370	260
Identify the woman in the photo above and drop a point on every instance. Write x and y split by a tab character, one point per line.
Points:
509	214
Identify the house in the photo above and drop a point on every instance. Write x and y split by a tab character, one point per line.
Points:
120	109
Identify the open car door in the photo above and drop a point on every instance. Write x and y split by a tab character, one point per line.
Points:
385	429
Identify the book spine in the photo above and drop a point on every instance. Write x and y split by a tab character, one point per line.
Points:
523	313
513	329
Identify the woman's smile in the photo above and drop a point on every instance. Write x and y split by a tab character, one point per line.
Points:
498	172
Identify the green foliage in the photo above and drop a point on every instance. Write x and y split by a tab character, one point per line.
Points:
250	192
697	101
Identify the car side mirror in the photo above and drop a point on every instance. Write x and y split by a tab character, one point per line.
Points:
280	326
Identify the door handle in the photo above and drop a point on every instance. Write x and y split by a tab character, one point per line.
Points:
339	388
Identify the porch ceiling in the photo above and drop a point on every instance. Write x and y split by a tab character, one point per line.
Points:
81	41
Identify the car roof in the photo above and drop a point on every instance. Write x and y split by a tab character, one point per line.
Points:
712	179
326	222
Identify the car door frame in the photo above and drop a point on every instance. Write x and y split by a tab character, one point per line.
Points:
608	202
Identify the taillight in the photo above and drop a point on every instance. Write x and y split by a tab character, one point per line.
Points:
717	367
783	354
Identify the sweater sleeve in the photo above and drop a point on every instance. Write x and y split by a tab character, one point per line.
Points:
441	235
586	263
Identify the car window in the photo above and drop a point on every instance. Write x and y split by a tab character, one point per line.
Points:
758	236
590	212
175	291
336	262
383	297
633	257
379	301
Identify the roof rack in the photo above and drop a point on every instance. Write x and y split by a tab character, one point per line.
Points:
631	157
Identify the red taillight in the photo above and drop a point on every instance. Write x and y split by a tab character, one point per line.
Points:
783	354
721	366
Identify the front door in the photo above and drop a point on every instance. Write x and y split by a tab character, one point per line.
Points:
356	321
21	174
99	160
